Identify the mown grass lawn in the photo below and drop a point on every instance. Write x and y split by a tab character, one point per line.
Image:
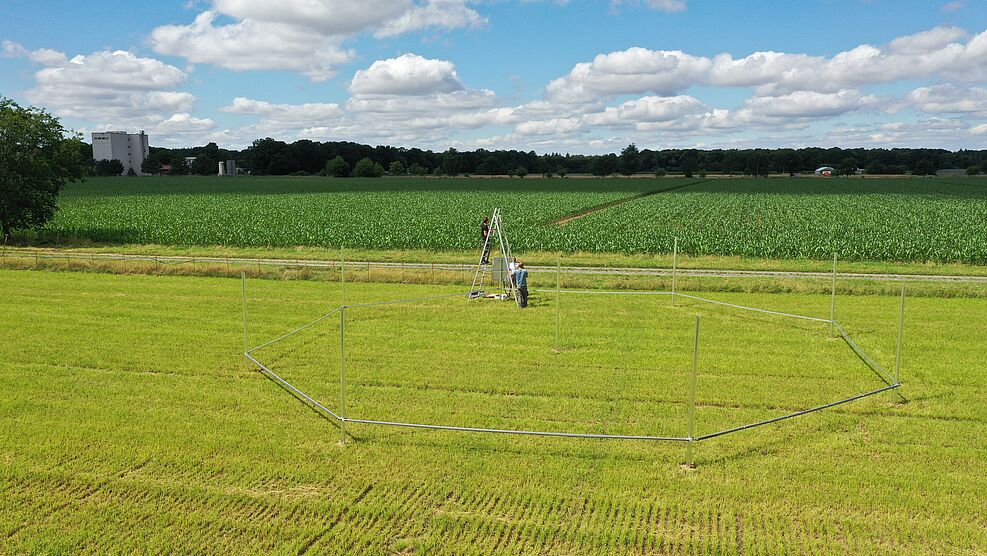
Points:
129	423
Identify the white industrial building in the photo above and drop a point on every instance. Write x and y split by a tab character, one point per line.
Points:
129	148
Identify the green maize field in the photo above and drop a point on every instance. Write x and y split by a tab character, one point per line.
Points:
940	220
130	424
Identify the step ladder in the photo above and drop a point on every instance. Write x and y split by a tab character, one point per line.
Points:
496	233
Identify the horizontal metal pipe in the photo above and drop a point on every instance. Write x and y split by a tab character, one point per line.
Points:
334	311
413	300
888	379
623	271
272	375
756	310
297	330
522	432
796	414
591	292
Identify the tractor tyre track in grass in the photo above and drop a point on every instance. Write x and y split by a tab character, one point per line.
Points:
604	206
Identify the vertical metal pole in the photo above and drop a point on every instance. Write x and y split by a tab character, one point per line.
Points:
832	303
675	260
901	327
342	373
342	276
558	306
243	295
692	392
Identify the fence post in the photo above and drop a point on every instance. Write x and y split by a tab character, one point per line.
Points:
832	303
243	296
901	326
692	395
675	257
342	374
558	307
342	276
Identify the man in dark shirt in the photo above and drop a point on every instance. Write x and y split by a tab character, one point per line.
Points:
521	282
484	233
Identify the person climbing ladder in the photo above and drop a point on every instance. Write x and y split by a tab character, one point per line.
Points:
484	236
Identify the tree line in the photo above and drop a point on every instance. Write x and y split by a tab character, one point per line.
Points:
38	157
342	158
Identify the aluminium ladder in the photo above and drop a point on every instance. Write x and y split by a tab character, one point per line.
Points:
496	230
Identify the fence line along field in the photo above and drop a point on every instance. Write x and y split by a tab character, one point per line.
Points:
860	219
135	424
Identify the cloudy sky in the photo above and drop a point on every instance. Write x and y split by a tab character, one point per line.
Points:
580	76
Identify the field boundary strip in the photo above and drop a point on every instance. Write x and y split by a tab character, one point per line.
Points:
582	213
459	267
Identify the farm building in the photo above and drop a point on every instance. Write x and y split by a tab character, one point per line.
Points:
825	171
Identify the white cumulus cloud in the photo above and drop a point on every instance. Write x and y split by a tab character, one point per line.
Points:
286	115
809	104
409	74
949	99
635	70
940	51
670	6
253	45
114	85
647	109
434	14
304	36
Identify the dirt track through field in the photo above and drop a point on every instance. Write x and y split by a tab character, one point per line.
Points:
599	208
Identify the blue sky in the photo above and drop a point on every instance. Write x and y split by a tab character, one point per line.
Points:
552	76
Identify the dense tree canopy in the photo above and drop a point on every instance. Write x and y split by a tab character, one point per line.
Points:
36	160
272	157
630	160
111	167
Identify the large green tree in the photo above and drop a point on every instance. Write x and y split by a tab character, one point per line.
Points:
605	165
205	166
397	168
450	162
848	167
36	161
337	168
366	168
630	160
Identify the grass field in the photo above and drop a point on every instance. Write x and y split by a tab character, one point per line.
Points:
861	219
130	424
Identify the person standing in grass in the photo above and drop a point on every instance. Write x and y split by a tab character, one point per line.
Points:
511	267
521	282
484	235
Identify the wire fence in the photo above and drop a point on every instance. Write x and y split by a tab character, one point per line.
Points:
891	381
353	266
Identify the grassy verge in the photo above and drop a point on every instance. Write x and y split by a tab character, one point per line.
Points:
131	425
462	278
657	260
